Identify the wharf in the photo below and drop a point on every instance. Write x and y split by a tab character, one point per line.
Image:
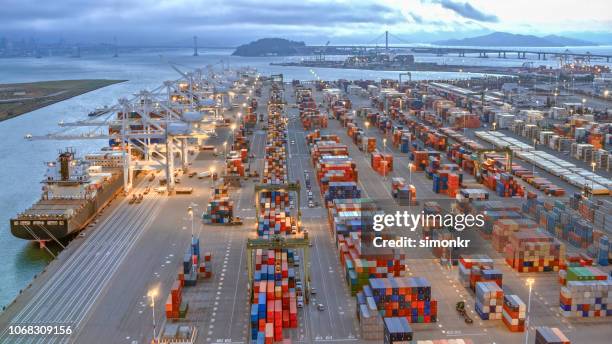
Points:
99	283
418	66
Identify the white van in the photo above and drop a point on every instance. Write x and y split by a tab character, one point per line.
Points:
204	174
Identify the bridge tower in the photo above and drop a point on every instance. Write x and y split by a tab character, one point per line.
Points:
387	41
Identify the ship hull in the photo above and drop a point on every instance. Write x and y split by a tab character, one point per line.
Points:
50	229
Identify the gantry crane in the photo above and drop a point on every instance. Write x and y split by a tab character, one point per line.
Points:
156	123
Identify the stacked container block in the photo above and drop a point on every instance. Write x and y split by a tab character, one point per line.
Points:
489	300
397	330
477	268
587	293
550	335
220	210
275	214
408	297
371	323
533	251
382	163
360	266
273	304
514	313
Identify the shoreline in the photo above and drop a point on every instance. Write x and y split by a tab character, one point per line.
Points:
20	98
417	67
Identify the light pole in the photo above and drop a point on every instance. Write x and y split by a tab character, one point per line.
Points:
583	105
233	132
152	294
385	152
410	173
225	149
593	164
367	124
535	141
190	209
494	124
529	282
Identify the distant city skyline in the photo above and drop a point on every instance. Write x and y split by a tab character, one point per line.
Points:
232	22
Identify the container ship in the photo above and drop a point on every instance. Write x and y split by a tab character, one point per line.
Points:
73	192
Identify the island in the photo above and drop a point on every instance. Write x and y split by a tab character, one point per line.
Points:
17	99
270	47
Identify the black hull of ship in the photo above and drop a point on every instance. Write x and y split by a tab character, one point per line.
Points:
42	229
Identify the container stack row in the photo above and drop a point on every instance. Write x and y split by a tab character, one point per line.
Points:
234	167
361	265
382	163
220	210
477	268
446	183
274	300
193	266
371	323
275	163
550	335
404	194
275	214
397	330
514	313
534	251
504	227
408	297
489	300
587	293
176	307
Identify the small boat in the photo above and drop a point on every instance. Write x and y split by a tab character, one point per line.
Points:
99	111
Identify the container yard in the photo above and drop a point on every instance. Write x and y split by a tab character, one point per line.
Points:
279	222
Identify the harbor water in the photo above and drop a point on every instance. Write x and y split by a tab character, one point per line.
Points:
23	161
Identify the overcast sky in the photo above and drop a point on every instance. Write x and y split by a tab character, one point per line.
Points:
231	22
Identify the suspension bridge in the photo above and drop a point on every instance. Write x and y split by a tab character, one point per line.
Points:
381	43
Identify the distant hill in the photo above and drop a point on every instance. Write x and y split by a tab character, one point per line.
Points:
504	39
268	47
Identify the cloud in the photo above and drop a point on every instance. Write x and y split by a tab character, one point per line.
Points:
466	10
416	18
165	20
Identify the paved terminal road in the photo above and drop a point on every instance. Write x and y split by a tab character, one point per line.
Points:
338	322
